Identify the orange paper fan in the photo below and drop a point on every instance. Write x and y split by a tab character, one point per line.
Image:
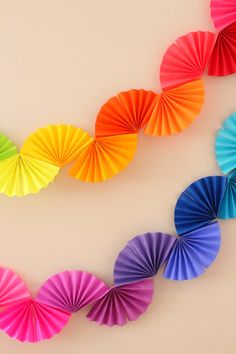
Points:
104	157
176	109
126	113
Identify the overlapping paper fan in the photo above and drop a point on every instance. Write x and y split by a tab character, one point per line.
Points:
123	303
104	157
223	57
225	145
193	253
7	147
228	204
56	144
21	175
223	12
71	290
186	59
30	321
199	204
176	109
142	257
126	113
12	288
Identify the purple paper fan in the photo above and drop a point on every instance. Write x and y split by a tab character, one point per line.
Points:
142	257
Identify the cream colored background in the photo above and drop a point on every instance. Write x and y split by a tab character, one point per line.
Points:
59	61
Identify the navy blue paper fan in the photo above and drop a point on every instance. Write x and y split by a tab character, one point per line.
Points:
228	203
193	253
199	204
142	257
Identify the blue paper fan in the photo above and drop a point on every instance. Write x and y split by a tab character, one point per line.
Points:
228	203
142	257
193	253
225	145
198	205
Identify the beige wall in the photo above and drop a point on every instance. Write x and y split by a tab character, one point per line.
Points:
60	60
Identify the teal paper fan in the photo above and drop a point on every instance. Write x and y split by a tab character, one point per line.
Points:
228	202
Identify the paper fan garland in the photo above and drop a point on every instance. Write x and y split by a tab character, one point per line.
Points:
71	290
223	57
126	113
228	203
225	145
142	257
186	59
7	147
193	252
123	303
176	109
30	321
199	204
56	144
223	12
104	157
12	288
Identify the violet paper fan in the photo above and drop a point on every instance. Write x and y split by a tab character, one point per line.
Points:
30	321
142	257
193	252
199	204
123	303
71	290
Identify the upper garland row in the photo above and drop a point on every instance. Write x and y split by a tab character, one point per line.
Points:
123	116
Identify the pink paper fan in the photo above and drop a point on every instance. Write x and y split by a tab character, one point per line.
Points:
71	290
223	12
12	288
123	303
30	321
186	59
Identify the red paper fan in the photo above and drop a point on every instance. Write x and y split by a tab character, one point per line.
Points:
186	59
223	12
223	58
126	113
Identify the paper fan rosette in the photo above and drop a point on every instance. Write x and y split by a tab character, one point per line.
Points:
223	12
228	203
186	59
122	304
142	257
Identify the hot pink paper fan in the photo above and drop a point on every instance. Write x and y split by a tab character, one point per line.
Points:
30	321
223	58
186	59
71	290
12	288
223	12
123	303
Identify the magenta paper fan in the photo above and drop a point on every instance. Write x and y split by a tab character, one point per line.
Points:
71	290
12	288
186	59
123	303
30	321
223	13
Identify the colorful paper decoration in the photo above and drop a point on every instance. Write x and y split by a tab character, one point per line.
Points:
223	13
228	202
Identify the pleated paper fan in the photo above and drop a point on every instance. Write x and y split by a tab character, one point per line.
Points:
12	288
223	12
56	144
176	109
7	147
199	204
228	203
123	303
71	290
142	257
225	145
186	59
30	321
126	113
104	157
223	58
193	253
21	175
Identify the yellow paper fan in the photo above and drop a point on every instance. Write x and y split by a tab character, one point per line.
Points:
56	144
21	175
104	157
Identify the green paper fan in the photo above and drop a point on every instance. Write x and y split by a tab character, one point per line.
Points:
7	148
